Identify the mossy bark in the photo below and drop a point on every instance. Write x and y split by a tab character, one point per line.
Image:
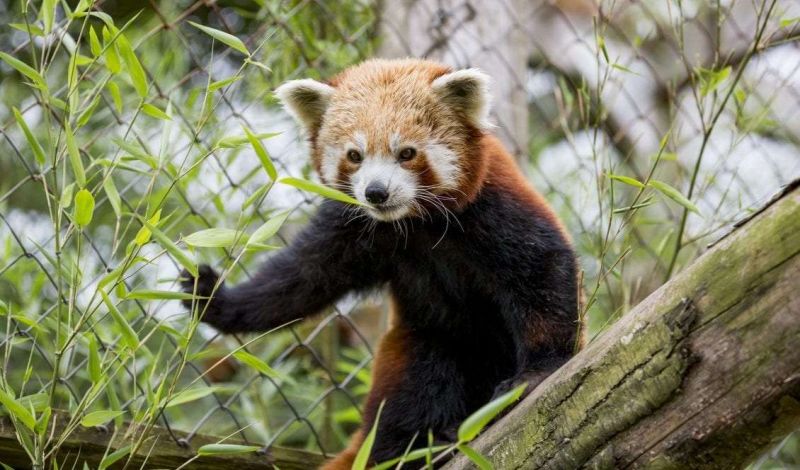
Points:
705	373
159	450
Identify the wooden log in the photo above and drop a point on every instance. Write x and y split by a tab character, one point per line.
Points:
159	450
704	373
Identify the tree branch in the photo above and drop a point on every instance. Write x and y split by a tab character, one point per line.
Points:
158	451
704	373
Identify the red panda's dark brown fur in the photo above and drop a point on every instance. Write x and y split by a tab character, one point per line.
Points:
484	291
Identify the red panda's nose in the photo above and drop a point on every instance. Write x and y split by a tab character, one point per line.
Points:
376	193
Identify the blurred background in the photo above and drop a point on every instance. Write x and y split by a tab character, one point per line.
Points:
650	126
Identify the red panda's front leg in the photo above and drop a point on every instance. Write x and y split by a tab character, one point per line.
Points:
324	262
544	342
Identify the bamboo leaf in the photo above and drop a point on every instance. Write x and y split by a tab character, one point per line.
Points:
131	148
112	55
74	155
259	365
476	458
180	256
710	80
37	402
257	64
134	67
82	6
144	234
113	195
72	83
214	238
29	28
16	410
214	86
94	43
106	18
188	395
674	194
786	22
38	151
475	422
113	89
324	191
627	180
95	369
41	423
268	229
88	112
153	111
66	195
25	69
84	208
622	68
258	194
225	449
48	14
113	457
411	456
97	418
147	294
129	335
262	154
223	37
239	140
362	457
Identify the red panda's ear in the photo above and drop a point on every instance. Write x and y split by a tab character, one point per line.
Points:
466	91
306	100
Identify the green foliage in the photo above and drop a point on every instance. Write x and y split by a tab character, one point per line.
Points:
147	143
223	37
96	418
322	190
362	457
475	423
467	431
122	127
225	449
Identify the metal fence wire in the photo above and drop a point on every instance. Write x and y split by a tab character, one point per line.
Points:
700	95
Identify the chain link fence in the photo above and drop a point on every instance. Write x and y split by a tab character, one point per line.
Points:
693	100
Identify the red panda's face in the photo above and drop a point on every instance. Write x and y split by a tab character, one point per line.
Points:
392	173
399	136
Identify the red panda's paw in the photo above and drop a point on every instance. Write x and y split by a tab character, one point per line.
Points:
531	377
207	280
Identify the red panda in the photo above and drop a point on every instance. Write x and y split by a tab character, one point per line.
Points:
481	272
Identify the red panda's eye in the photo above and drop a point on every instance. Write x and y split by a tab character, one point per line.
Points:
354	156
407	154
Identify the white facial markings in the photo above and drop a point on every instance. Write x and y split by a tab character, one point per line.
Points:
329	167
400	183
360	141
332	156
394	142
443	162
